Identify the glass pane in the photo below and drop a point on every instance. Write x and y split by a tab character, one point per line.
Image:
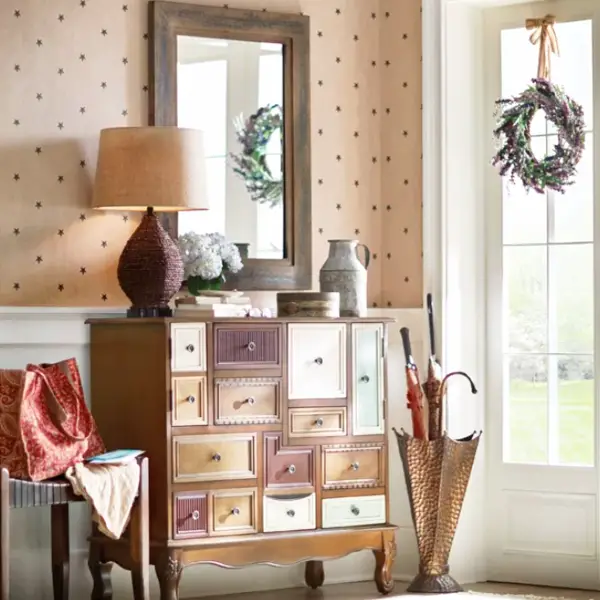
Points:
572	298
519	66
202	102
576	410
524	212
525	298
270	73
573	69
573	211
208	221
526	402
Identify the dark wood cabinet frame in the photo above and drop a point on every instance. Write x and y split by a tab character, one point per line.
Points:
167	20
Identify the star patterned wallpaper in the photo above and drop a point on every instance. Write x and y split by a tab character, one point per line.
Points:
73	67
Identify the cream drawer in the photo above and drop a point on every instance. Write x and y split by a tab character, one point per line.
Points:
354	511
317	422
188	347
289	513
316	360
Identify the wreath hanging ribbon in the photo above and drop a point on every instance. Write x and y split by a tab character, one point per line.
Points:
515	156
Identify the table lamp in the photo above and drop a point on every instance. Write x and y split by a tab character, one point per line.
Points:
150	168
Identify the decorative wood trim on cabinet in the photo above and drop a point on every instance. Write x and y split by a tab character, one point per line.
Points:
287	467
316	360
211	457
189	401
368	378
247	400
353	466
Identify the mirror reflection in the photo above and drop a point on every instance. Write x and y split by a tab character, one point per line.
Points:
233	91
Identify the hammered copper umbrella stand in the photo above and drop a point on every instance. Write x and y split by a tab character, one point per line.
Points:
437	469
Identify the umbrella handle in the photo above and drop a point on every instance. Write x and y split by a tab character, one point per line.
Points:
443	392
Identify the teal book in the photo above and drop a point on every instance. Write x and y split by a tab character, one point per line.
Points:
115	457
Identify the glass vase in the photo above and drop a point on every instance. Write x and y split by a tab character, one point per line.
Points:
196	285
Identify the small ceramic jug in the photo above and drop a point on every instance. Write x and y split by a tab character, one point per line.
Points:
344	273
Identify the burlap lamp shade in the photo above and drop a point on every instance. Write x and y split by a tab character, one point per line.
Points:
150	168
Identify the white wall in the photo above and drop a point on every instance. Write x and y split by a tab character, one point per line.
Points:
46	335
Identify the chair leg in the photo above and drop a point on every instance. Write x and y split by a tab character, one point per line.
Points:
60	551
4	534
139	539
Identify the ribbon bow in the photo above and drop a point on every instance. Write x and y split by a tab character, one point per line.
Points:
546	36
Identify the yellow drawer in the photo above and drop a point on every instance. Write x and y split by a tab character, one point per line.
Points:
248	401
234	512
317	422
214	457
189	401
353	467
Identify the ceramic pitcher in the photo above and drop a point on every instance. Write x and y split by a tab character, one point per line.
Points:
343	272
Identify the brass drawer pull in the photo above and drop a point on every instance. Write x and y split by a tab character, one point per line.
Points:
191	399
319	422
291	469
251	400
196	515
251	346
235	511
365	379
216	457
190	347
355	511
319	360
291	513
354	466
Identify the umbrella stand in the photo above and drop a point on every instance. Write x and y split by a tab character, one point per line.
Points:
437	473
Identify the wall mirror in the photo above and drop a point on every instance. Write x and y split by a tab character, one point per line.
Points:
242	76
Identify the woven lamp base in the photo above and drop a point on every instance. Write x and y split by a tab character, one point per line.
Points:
150	270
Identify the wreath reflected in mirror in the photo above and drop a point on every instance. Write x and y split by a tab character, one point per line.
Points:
251	164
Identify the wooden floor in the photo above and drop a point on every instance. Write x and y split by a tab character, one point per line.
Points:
366	591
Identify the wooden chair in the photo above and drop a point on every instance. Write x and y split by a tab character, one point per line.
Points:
58	494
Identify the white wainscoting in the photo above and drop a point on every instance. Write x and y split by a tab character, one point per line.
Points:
47	335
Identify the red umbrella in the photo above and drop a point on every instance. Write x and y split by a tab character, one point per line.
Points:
414	393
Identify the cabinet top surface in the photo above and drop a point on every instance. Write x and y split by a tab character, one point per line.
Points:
234	320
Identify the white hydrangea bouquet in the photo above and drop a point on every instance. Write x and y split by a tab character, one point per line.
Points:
207	258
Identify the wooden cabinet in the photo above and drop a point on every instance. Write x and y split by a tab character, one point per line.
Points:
266	438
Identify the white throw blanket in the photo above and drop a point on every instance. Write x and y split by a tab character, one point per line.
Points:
111	489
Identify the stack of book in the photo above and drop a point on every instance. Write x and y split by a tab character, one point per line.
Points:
213	306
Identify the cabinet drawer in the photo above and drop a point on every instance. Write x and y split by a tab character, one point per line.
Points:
353	467
238	347
287	467
214	457
316	360
367	378
190	515
317	422
248	401
234	512
289	513
188	347
352	512
189	401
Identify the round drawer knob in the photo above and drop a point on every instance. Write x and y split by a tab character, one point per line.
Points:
319	360
251	400
235	511
251	347
291	469
190	347
319	422
291	513
196	515
191	399
216	457
354	466
355	511
365	379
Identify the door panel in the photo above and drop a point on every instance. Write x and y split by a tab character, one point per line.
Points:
542	267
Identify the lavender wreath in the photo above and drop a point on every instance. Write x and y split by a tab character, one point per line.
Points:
515	157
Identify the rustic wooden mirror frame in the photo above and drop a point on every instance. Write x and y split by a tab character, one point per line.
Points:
167	20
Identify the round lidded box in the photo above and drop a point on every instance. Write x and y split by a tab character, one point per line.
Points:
308	304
